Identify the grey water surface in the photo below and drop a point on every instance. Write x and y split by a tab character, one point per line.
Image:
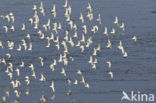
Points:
135	73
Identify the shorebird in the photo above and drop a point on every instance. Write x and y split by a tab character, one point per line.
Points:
122	26
27	91
43	98
66	4
84	29
41	61
28	36
81	18
87	85
89	7
63	72
23	27
12	28
134	38
53	11
1	44
27	80
75	82
42	79
109	44
125	54
8	55
82	80
31	20
106	31
95	29
52	86
116	20
69	81
79	72
18	72
69	92
18	93
109	64
6	28
113	31
22	64
34	8
99	19
30	47
95	52
111	74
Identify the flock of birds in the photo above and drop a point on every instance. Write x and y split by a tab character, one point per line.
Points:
81	41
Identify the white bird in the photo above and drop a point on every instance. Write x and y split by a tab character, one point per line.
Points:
6	28
12	28
94	66
34	8
63	72
28	36
1	44
18	72
27	92
82	48
122	26
8	55
89	7
53	97
84	29
34	75
19	48
42	79
79	72
98	48
109	44
95	29
99	19
69	92
8	18
24	44
52	86
106	31
43	99
53	11
69	81
23	27
125	54
116	20
87	85
81	18
75	35
82	80
109	64
111	74
27	80
41	61
22	64
18	93
75	82
30	47
134	38
66	4
95	52
90	60
113	31
31	20
60	26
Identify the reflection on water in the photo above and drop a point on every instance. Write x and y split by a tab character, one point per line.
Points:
135	72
